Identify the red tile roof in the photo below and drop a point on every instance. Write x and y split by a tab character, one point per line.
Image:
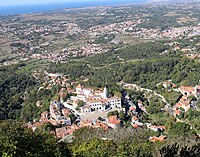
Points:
187	89
154	138
135	125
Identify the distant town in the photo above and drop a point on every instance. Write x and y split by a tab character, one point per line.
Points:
57	37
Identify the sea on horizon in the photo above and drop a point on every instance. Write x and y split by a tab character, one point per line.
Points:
27	9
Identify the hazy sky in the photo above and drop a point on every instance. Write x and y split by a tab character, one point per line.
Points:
27	2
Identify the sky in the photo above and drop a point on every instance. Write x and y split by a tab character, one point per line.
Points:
29	2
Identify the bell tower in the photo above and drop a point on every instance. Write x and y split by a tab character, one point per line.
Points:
105	93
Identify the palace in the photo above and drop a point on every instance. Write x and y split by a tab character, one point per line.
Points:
95	100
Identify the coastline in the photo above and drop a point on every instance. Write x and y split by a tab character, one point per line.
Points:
29	9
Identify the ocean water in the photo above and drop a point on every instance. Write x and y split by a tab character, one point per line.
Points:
13	10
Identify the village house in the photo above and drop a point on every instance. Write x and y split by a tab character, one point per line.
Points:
183	103
86	109
114	102
129	86
34	126
99	124
160	138
132	110
176	112
135	120
86	123
135	125
166	84
59	115
187	90
65	112
190	91
156	128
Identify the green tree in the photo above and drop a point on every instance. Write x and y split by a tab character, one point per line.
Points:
179	129
16	140
94	148
112	113
80	104
121	115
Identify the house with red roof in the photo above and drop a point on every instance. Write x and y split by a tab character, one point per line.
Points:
156	128
184	103
187	90
166	84
135	125
160	138
101	125
176	113
34	126
86	123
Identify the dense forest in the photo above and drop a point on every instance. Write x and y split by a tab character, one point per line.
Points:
12	88
146	73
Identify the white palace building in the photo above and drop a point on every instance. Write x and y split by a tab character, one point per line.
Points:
95	100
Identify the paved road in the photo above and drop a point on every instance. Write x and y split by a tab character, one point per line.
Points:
149	90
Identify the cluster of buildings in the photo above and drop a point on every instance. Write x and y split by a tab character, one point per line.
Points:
115	28
95	100
180	32
60	112
59	116
185	101
192	55
65	53
55	79
136	112
137	122
47	39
